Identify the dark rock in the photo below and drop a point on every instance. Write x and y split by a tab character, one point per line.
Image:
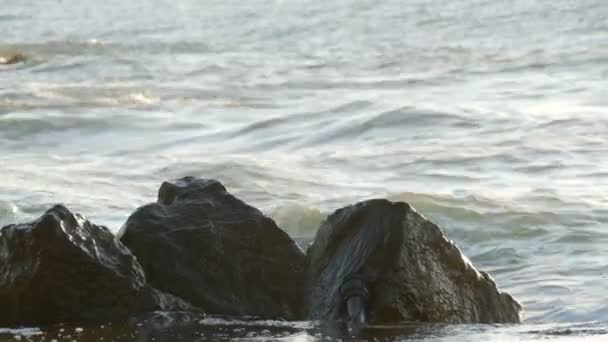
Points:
379	261
202	244
63	268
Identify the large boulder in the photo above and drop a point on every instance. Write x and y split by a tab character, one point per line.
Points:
203	244
63	268
379	261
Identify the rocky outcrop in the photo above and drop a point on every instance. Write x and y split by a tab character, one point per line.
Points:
202	244
201	249
63	268
379	261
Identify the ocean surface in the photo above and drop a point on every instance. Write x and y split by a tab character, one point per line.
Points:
490	117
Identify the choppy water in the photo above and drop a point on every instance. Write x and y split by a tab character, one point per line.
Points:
490	117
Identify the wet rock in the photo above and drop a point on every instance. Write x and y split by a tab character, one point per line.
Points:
379	261
203	244
12	58
63	268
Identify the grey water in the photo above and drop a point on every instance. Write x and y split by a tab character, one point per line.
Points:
490	117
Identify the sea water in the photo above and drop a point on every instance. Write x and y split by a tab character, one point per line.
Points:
490	117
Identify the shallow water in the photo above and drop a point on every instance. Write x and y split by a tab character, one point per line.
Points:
168	328
490	117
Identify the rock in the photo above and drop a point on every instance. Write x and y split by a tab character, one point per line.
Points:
379	262
203	244
63	268
12	58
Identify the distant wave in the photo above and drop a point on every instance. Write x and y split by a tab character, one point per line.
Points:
100	47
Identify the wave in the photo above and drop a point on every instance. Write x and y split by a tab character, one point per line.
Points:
472	220
94	96
298	221
23	127
349	122
9	213
7	58
69	98
101	47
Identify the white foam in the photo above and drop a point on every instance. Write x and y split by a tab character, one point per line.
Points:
25	332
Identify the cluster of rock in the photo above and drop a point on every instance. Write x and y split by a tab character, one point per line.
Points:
198	248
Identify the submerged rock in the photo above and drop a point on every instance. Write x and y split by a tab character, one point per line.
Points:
379	261
63	268
12	58
203	244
